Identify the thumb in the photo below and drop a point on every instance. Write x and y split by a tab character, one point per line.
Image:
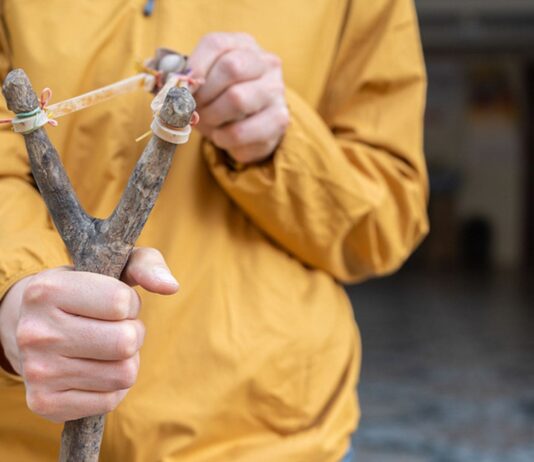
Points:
146	267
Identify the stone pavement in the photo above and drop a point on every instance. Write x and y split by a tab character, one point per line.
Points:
448	368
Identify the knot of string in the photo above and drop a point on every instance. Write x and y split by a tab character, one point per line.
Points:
44	99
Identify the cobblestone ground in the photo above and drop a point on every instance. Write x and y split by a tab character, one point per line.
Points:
448	371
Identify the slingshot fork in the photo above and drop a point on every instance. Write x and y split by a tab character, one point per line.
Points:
96	245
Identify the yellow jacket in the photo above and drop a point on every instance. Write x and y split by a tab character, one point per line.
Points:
257	358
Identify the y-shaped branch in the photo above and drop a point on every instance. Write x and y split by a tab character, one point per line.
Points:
99	246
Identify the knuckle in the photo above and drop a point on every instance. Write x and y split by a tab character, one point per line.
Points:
109	402
31	333
150	252
144	258
232	65
155	253
136	301
141	330
236	98
127	341
274	60
121	302
209	38
38	290
127	374
26	334
245	37
236	134
39	403
35	372
277	87
217	40
282	117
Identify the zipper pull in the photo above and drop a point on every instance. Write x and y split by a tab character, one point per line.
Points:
149	8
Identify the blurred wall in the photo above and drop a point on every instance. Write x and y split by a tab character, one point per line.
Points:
477	137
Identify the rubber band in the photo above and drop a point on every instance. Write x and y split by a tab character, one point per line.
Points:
26	115
22	115
30	121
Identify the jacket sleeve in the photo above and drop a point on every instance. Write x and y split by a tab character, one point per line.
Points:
28	242
346	191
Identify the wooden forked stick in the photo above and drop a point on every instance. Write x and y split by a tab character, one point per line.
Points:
95	245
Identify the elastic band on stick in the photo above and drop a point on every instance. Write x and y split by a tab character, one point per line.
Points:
27	122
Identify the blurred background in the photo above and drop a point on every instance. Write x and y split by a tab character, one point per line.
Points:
448	368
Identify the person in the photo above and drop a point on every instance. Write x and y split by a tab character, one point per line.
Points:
305	172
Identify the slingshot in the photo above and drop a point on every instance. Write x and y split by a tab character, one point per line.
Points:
96	245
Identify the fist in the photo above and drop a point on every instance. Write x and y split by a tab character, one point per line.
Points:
75	337
242	104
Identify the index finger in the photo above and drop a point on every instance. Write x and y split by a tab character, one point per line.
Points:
84	294
212	46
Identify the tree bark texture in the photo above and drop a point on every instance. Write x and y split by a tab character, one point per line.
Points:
96	245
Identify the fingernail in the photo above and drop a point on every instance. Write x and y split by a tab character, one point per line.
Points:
163	275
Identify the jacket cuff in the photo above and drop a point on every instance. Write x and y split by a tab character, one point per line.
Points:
256	177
